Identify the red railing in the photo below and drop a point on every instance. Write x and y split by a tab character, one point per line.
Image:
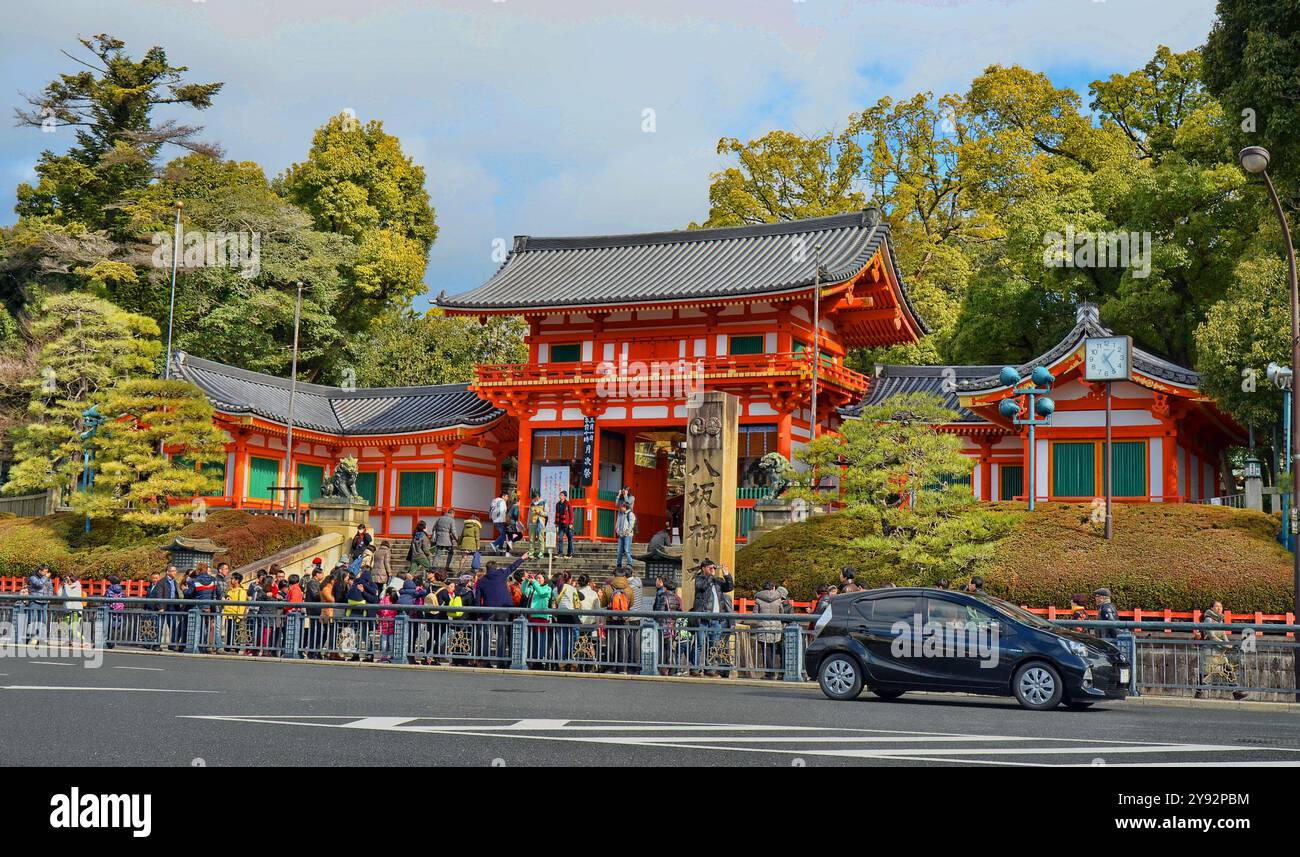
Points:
746	605
134	588
667	373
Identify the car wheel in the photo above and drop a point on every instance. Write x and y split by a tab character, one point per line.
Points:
887	693
1037	686
840	677
1078	706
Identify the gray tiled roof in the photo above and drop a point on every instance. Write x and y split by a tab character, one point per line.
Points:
941	381
1088	323
972	380
333	410
671	266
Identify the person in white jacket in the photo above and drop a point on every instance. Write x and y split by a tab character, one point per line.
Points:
71	588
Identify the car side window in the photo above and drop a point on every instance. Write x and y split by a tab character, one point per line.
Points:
948	614
951	614
895	608
863	607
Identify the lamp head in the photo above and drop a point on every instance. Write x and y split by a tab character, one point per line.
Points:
1044	406
1253	159
1278	374
1009	408
1042	377
1009	376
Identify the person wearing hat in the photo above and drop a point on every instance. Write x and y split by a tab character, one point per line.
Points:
1106	612
710	592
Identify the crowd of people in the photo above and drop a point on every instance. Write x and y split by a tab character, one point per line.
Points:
351	612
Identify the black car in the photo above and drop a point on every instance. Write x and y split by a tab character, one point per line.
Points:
900	639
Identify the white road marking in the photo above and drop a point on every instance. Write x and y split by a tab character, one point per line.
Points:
124	689
53	663
901	745
149	669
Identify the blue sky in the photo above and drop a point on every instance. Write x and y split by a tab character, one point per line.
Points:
527	114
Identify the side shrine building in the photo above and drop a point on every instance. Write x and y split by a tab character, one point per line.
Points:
624	329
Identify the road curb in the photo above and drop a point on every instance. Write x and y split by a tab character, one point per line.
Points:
1140	701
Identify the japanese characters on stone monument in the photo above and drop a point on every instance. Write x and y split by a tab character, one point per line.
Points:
709	520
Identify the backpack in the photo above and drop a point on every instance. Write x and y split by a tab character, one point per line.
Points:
619	601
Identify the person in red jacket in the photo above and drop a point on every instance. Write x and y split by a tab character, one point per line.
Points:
564	524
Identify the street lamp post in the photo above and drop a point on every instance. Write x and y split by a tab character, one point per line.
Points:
1254	159
171	307
91	419
816	335
1038	413
293	393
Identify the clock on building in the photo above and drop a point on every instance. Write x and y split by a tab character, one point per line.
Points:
1107	358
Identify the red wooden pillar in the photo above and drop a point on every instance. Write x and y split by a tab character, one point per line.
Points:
1169	461
629	456
783	440
237	487
591	493
383	490
525	458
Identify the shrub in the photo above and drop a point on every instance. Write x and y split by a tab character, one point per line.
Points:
115	548
1175	556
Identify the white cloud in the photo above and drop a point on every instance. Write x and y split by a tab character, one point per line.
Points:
527	113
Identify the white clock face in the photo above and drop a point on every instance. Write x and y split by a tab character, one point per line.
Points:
1106	359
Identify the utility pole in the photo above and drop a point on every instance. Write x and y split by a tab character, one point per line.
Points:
293	393
171	308
816	337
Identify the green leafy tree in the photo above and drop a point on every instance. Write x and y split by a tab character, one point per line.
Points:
242	315
431	349
1243	333
111	102
893	457
90	346
133	480
357	182
1252	65
900	471
784	176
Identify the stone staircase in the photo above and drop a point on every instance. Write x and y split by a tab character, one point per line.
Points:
593	559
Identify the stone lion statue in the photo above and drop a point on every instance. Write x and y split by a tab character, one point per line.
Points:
342	484
774	466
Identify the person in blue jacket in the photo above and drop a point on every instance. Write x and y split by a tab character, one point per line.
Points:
492	591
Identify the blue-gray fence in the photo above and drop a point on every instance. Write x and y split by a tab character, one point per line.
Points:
1165	657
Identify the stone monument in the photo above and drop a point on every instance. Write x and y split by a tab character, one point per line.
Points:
709	513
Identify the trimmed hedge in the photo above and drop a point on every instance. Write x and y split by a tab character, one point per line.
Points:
114	548
1175	556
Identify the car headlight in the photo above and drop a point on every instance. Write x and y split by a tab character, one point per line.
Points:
1079	650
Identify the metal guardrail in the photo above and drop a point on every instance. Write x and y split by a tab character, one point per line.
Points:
1259	660
632	642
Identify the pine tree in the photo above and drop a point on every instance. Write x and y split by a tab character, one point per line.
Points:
132	479
90	346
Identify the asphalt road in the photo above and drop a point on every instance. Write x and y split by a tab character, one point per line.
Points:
179	710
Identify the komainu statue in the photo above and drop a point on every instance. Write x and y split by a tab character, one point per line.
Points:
342	484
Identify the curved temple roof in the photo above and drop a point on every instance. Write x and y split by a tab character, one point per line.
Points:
953	383
334	410
689	264
1088	323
